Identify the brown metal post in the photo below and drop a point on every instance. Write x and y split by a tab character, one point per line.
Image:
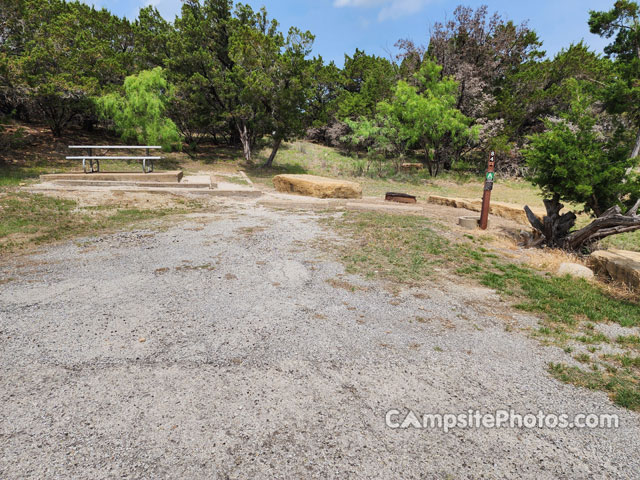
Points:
486	196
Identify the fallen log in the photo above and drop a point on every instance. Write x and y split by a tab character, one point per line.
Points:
554	230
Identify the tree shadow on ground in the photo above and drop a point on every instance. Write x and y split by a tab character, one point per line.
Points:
209	154
258	171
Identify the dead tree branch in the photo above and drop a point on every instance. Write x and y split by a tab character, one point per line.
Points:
555	229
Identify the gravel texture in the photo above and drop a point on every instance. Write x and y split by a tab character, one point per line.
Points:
227	346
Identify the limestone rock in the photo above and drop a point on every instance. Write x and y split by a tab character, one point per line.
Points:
575	270
621	265
452	202
501	209
314	186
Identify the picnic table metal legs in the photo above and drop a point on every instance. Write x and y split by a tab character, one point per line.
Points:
149	168
95	169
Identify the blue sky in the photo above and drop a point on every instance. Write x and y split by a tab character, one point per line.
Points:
375	25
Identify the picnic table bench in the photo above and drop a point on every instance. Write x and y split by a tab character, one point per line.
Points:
146	167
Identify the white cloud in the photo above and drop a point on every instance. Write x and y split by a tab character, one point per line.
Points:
401	8
391	9
359	3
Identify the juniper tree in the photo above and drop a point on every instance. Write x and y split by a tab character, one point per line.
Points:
623	23
582	157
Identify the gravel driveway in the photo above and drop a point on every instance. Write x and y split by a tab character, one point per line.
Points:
227	346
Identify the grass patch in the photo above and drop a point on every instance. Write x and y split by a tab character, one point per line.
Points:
36	219
593	339
627	360
629	340
394	247
583	358
408	248
624	241
622	387
14	176
236	180
563	299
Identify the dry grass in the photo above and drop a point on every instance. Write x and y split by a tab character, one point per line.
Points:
550	259
340	283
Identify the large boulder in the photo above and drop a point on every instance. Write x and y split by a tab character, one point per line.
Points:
314	186
621	265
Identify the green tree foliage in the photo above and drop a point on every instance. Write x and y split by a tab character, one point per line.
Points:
324	94
479	51
366	80
426	114
11	46
153	35
623	22
421	115
140	114
240	80
272	78
63	53
539	89
198	64
577	160
291	83
381	137
239	73
156	43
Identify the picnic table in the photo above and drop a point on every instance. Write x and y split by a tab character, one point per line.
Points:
94	160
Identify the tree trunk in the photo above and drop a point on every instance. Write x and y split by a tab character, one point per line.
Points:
245	140
56	129
636	148
274	150
430	166
553	229
634	154
428	161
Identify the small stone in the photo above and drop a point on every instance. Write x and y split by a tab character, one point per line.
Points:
575	270
142	340
468	222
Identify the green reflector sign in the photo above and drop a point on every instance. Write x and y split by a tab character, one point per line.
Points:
490	176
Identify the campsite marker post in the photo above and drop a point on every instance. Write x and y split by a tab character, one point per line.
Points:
486	196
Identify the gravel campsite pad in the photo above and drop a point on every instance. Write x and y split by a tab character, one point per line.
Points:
230	345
